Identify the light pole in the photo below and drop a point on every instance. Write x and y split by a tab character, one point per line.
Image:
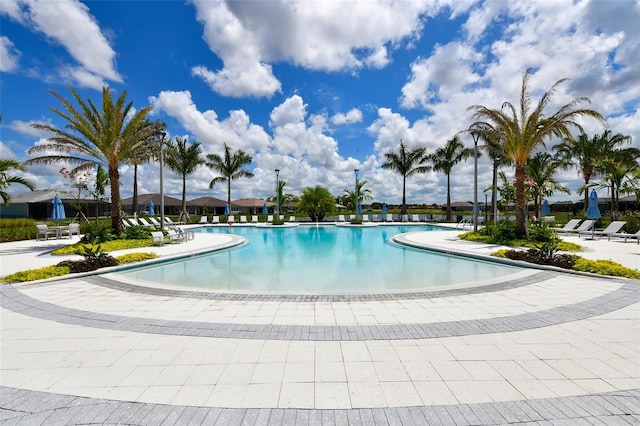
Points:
356	191
278	194
496	162
162	136
475	137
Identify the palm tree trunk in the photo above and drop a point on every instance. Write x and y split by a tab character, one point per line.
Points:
520	203
135	188
586	191
114	180
229	194
403	210
183	213
448	197
494	189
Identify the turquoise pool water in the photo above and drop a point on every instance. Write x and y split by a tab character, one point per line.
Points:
319	259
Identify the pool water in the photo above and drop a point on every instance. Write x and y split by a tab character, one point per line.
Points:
327	259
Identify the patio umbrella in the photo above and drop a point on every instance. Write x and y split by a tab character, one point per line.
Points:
384	208
226	209
151	208
57	212
265	210
593	212
359	209
545	208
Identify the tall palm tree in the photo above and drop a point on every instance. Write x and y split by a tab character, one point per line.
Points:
522	130
110	136
407	162
229	166
363	193
184	159
540	170
284	197
6	180
447	156
317	202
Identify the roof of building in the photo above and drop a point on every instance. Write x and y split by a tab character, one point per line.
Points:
207	201
45	195
251	202
145	198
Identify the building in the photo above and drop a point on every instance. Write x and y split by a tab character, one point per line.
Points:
37	205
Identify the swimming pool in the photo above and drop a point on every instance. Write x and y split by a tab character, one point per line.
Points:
325	259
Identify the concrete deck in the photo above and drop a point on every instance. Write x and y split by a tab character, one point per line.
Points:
539	347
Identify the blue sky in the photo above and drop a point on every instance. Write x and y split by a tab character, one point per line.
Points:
315	89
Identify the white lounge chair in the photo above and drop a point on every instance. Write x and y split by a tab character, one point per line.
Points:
145	223
254	219
389	217
292	219
243	219
376	218
215	219
157	237
340	218
415	218
365	218
154	222
584	227
176	237
203	220
571	225
231	219
613	228
626	236
73	228
133	221
269	218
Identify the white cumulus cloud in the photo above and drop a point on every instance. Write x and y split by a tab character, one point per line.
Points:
9	55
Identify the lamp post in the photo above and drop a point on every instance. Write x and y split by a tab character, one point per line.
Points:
278	194
356	192
162	136
475	137
496	162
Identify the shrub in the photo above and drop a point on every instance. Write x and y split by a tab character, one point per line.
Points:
277	222
108	246
136	233
97	234
356	221
605	267
633	222
17	229
36	274
134	257
94	258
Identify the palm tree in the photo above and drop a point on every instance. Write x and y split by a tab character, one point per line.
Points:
284	197
407	162
110	137
184	159
540	170
363	194
317	202
522	130
447	156
229	166
6	180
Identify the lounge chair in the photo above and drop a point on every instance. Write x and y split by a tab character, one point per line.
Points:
125	223
231	219
133	221
73	228
365	218
626	236
254	219
292	219
584	227
203	220
215	219
269	218
389	217
352	216
145	223
340	218
243	219
570	226
415	218
376	218
613	228
44	231
466	220
176	237
154	222
157	237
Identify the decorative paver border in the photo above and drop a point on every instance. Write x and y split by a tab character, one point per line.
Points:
16	301
20	406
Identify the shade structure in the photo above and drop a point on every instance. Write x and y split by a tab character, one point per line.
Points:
226	209
359	209
57	213
545	207
152	211
265	210
384	208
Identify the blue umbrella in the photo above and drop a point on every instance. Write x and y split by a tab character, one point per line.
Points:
545	208
152	212
359	209
58	209
226	209
384	208
593	212
265	210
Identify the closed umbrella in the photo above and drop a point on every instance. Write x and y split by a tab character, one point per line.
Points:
359	209
545	208
593	212
384	208
265	210
226	209
152	211
57	212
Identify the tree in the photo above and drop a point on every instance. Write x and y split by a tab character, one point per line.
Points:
6	180
110	136
229	166
522	130
99	189
407	162
540	170
363	194
184	159
316	202
285	198
447	156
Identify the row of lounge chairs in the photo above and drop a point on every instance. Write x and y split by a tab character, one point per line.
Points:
574	226
151	223
243	219
176	235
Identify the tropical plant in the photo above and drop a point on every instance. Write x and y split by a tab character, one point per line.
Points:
540	170
316	202
619	178
283	197
522	130
445	158
363	194
184	159
407	162
111	137
229	166
495	152
6	180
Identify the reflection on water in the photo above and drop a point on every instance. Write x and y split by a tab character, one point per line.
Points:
321	259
